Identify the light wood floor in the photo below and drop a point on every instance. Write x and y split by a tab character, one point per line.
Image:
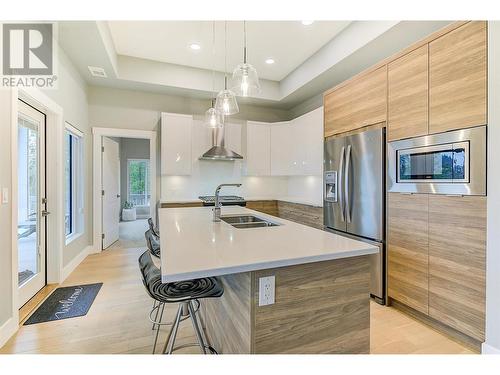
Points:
117	321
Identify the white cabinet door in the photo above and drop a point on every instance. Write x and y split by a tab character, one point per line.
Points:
176	144
258	149
281	148
312	125
232	134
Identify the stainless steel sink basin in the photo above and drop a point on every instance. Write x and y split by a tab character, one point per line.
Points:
247	221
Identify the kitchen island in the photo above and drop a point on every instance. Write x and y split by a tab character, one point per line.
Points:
321	281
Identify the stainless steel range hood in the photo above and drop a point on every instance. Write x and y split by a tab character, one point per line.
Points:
218	150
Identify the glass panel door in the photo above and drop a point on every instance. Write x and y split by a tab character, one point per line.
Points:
31	203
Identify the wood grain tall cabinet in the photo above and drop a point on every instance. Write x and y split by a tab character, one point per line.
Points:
356	104
458	78
457	262
408	100
408	253
436	243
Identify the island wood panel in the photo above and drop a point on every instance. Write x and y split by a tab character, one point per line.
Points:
457	262
408	250
301	213
181	204
228	319
359	103
407	108
321	307
269	207
458	78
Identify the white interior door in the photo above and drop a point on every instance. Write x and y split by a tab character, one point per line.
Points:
32	206
110	191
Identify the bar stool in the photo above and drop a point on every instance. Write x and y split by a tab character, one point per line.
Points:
154	229
152	242
186	294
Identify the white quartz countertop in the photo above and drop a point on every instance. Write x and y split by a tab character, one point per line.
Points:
193	246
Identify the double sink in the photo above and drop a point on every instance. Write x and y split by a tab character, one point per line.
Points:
247	221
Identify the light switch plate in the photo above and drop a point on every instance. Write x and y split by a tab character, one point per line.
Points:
266	290
5	195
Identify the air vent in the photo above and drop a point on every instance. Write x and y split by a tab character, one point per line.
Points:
97	72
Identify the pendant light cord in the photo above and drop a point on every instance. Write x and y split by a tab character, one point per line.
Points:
213	63
225	55
244	42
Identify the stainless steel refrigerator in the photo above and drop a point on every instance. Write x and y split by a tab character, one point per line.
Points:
354	194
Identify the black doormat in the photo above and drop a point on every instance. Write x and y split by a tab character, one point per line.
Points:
64	303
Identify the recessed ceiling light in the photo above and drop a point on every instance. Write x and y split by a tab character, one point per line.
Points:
269	61
195	46
307	23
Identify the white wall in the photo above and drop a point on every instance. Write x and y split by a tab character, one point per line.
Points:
492	344
305	189
71	95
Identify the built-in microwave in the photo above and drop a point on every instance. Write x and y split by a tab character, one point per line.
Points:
447	163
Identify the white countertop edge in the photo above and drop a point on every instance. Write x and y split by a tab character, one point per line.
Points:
267	265
283	199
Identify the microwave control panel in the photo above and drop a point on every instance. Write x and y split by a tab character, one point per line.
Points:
331	186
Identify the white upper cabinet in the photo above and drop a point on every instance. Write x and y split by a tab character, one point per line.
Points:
176	131
297	146
232	137
281	153
310	128
258	151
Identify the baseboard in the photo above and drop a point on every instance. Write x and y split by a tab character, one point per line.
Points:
488	349
70	267
7	330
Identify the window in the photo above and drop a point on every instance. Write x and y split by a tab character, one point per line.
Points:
74	182
138	186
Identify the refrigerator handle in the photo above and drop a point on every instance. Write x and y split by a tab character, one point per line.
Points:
339	183
346	189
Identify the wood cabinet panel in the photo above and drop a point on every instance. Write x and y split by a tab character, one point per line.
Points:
268	207
458	78
301	213
408	250
357	104
408	95
320	307
457	262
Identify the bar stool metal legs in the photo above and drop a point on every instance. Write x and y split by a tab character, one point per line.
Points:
187	310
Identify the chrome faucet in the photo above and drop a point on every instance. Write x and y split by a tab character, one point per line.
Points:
217	207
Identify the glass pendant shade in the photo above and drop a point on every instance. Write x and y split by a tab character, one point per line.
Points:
226	103
213	118
245	81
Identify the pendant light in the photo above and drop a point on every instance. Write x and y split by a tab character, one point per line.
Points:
213	117
226	100
245	80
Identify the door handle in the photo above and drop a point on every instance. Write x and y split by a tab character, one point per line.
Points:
339	183
45	213
118	195
347	165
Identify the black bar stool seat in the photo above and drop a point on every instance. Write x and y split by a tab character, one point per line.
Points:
180	291
186	293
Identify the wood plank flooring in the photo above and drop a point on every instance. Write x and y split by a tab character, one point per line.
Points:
117	321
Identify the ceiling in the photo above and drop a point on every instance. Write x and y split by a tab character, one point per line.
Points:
289	43
154	56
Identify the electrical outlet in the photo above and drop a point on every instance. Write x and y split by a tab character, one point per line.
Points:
266	290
